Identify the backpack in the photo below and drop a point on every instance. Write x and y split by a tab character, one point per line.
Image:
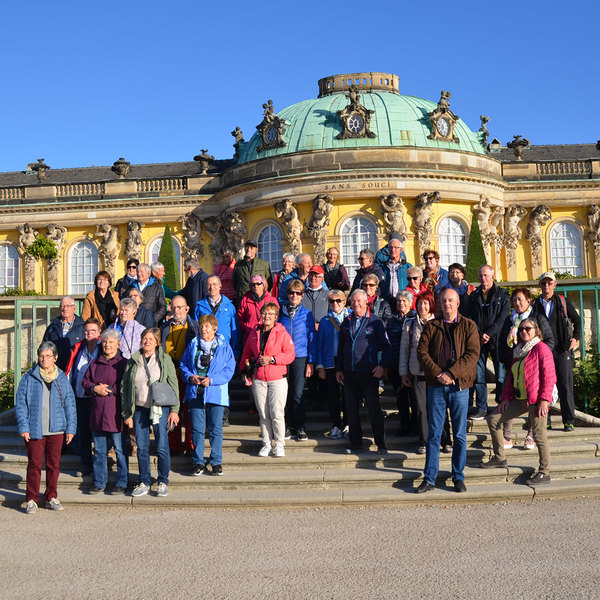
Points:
563	306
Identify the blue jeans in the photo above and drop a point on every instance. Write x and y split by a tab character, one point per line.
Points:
294	407
439	398
202	416
102	442
141	420
480	386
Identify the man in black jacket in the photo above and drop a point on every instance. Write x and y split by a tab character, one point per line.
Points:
565	323
65	331
488	306
154	297
195	287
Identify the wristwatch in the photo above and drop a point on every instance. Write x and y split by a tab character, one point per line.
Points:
272	361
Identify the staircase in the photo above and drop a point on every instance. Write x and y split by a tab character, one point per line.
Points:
319	472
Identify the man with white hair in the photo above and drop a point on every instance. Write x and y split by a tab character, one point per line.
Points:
158	272
154	297
65	331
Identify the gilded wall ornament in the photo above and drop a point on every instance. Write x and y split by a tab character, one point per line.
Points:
271	129
287	213
318	226
392	212
355	117
538	217
133	243
512	232
425	202
443	120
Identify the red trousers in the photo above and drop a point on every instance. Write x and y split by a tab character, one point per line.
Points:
52	445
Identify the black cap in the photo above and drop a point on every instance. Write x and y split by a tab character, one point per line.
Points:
251	243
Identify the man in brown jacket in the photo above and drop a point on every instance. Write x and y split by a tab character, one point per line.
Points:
448	351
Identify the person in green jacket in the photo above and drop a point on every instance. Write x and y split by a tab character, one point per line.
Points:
140	412
247	267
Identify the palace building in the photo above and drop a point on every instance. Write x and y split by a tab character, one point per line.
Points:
345	168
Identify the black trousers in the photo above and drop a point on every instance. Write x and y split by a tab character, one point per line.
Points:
335	399
357	386
563	363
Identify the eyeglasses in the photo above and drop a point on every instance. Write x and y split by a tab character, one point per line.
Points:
363	258
413	278
257	283
336	301
430	258
292	293
131	267
527	328
67	306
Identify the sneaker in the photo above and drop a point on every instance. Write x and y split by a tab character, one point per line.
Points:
265	450
289	433
569	427
118	490
163	489
54	504
421	450
334	434
479	415
279	450
226	422
301	437
539	478
508	444
199	470
494	462
217	470
447	449
529	443
548	423
141	489
95	490
30	507
346	432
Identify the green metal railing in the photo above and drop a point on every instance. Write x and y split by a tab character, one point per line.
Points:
35	313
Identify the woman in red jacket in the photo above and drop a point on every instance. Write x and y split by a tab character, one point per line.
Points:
251	304
528	389
267	352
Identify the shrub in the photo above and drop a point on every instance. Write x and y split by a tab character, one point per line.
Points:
475	253
586	375
168	258
7	390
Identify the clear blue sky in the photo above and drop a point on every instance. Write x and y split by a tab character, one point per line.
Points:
87	82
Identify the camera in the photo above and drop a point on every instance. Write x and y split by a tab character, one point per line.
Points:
249	367
204	360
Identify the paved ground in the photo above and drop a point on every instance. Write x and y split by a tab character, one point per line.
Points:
542	549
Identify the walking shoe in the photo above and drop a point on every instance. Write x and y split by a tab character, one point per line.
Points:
479	415
422	450
226	422
539	478
118	490
265	450
346	431
382	450
199	470
301	435
217	470
459	486
95	490
141	489
54	504
334	434
447	449
30	507
279	450
424	487
569	427
289	433
507	444
163	489
529	443
548	423
494	462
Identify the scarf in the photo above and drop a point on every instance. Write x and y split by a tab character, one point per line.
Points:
328	269
516	318
393	267
371	302
106	306
49	377
256	297
521	350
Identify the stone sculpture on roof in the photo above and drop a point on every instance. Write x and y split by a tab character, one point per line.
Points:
204	160
239	138
392	212
40	168
518	144
443	120
133	243
484	130
287	213
271	129
355	117
121	167
425	202
318	225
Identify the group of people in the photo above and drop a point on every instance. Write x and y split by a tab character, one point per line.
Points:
119	372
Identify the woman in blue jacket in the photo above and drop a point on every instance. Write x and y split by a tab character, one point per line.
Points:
207	366
46	415
300	324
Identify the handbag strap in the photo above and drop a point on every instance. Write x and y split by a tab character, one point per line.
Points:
147	371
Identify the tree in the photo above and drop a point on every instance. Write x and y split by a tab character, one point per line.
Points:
168	258
45	249
475	254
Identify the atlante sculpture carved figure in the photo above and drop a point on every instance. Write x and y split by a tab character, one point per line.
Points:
593	219
109	247
425	202
287	213
133	244
392	211
318	225
191	226
538	217
512	232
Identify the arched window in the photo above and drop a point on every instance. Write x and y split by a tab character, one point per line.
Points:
358	233
9	268
83	266
269	246
155	251
566	253
453	242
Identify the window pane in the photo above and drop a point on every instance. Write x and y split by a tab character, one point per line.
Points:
269	246
566	255
358	233
83	268
9	268
453	242
155	251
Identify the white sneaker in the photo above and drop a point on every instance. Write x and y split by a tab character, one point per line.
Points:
141	489
346	431
279	450
54	504
265	450
163	489
334	434
508	444
30	507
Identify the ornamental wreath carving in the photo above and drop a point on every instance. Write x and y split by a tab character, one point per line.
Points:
355	117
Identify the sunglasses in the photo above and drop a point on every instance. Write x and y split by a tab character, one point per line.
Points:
336	301
528	328
257	283
430	258
413	278
369	285
294	293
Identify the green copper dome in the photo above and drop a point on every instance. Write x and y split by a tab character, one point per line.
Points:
397	121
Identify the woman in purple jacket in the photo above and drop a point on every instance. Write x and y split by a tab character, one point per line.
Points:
102	382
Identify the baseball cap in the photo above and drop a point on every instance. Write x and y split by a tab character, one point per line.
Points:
317	269
548	275
251	243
